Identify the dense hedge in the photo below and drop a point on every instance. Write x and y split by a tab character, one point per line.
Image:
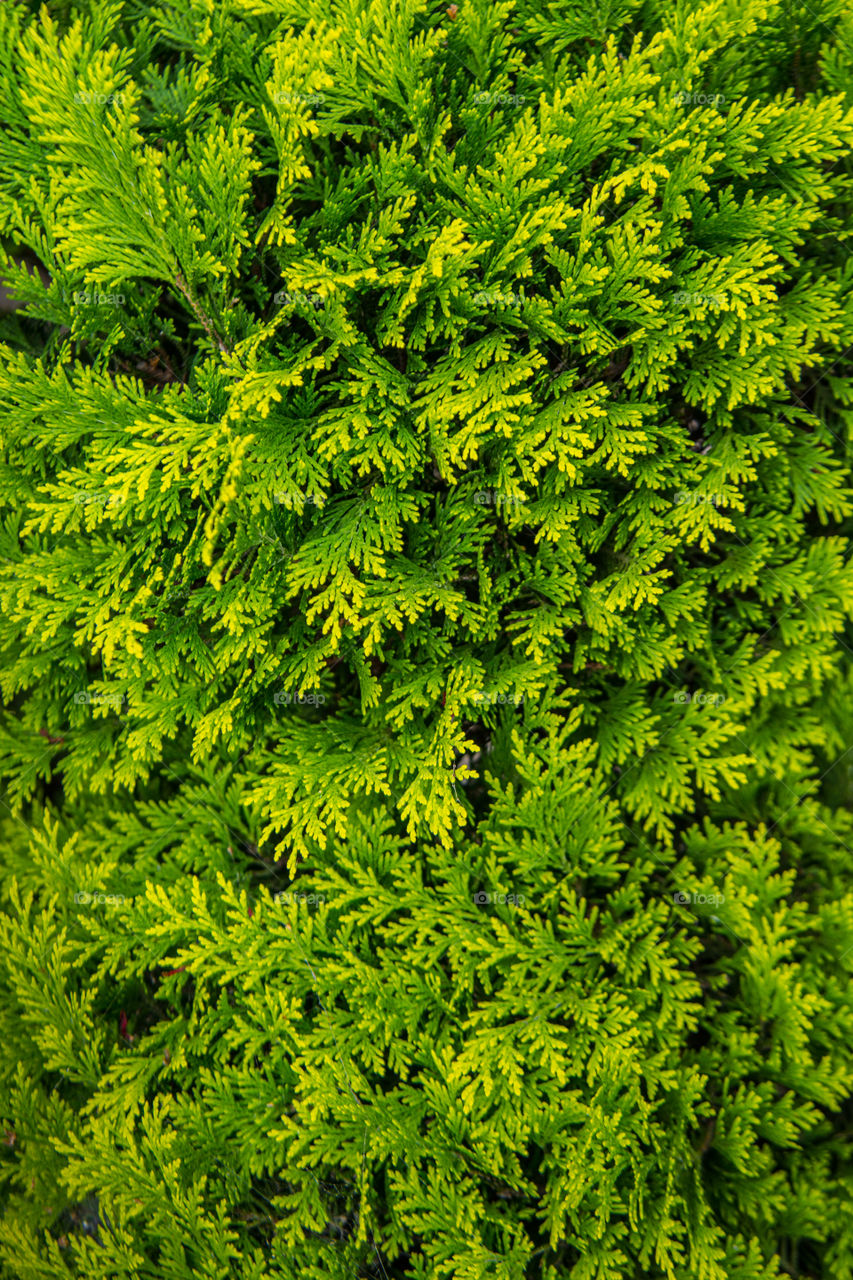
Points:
426	603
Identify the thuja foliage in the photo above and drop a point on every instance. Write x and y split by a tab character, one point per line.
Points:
425	595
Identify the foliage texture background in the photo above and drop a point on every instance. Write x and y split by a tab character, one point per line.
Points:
425	477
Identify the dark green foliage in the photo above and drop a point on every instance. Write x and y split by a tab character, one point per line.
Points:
425	495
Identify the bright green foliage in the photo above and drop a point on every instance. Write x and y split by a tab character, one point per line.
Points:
425	474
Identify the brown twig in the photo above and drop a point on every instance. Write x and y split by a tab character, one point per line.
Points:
203	320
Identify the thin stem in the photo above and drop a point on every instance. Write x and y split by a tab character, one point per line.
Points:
203	320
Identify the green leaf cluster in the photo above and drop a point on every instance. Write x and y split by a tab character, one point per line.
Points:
425	632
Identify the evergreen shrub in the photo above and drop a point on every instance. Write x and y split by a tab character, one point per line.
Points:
426	623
